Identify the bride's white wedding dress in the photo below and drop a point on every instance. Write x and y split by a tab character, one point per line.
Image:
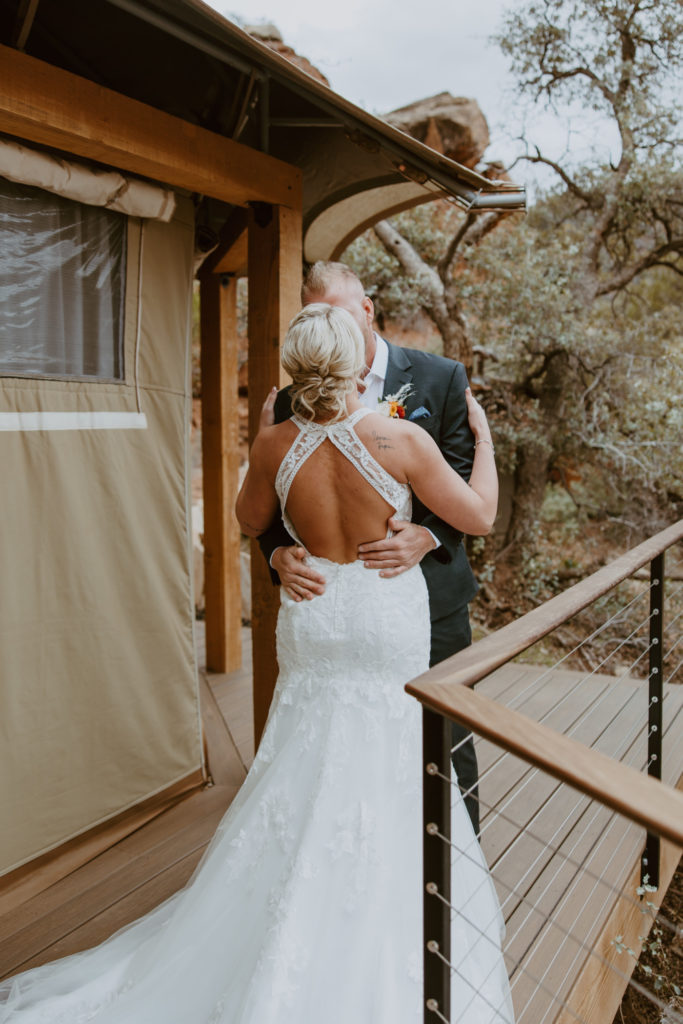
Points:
307	906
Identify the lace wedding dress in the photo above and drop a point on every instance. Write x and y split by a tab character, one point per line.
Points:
307	906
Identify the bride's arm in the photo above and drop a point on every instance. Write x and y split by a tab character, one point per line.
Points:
257	503
469	508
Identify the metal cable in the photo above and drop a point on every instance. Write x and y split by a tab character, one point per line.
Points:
577	918
547	918
518	963
570	693
530	773
587	640
523	829
672	674
599	880
433	947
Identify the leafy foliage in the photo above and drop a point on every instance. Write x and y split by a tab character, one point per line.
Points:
570	319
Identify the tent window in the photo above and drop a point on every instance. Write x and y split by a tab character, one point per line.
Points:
62	267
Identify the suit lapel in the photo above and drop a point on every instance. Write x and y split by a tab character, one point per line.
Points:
399	370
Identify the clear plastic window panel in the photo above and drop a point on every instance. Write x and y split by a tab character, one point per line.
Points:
62	268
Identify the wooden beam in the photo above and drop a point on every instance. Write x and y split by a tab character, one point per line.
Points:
274	285
220	470
231	252
47	105
235	260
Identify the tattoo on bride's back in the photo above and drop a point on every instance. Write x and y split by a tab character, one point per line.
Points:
381	440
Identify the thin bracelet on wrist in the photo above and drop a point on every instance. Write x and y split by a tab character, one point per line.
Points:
485	440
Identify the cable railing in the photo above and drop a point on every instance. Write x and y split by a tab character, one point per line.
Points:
581	821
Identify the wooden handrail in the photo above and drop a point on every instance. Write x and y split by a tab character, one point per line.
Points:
637	796
469	666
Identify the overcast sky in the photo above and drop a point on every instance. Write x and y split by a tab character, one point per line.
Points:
382	55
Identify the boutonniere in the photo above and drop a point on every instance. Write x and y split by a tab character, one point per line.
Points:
393	405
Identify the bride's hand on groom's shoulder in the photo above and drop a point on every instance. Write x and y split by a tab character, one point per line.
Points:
300	581
476	417
267	417
394	555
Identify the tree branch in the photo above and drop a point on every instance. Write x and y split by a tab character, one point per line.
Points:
439	303
473	228
651	259
411	262
569	182
443	266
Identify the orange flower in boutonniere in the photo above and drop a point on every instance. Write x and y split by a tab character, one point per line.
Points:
392	405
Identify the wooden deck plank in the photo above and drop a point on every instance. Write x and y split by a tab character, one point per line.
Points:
186	814
533	883
559	700
551	948
233	692
234	698
521	791
598	983
141	864
71	913
123	912
143	845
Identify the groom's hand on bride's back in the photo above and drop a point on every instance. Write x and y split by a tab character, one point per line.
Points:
300	581
394	555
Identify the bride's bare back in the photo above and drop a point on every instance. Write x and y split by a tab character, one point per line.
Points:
333	508
331	505
333	489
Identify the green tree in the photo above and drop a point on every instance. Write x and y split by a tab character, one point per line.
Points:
579	305
622	59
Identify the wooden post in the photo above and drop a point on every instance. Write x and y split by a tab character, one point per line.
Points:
275	255
220	468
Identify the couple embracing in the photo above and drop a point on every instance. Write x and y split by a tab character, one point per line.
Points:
307	906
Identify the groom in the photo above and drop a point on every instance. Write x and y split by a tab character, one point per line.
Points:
436	402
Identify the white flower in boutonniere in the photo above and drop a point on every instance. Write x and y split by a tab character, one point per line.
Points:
392	405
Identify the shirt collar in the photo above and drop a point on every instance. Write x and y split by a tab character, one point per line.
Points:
381	360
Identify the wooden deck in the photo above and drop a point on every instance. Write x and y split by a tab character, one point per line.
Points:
557	858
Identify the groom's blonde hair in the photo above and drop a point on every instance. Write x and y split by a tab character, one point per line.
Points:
325	273
324	354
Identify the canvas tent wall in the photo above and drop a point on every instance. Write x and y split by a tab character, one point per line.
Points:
99	682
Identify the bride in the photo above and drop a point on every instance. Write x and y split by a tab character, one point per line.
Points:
307	905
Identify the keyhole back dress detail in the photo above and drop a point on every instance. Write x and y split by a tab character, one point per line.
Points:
343	436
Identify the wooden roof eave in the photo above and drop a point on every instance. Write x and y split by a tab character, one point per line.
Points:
203	28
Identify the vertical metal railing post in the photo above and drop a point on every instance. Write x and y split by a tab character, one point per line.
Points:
650	860
436	806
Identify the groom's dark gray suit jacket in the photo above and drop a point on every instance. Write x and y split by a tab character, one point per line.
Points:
438	388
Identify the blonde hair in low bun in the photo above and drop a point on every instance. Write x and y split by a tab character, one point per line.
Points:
324	354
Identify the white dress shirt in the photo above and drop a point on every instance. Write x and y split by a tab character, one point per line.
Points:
376	375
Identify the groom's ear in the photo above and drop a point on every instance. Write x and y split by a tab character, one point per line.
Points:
369	308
